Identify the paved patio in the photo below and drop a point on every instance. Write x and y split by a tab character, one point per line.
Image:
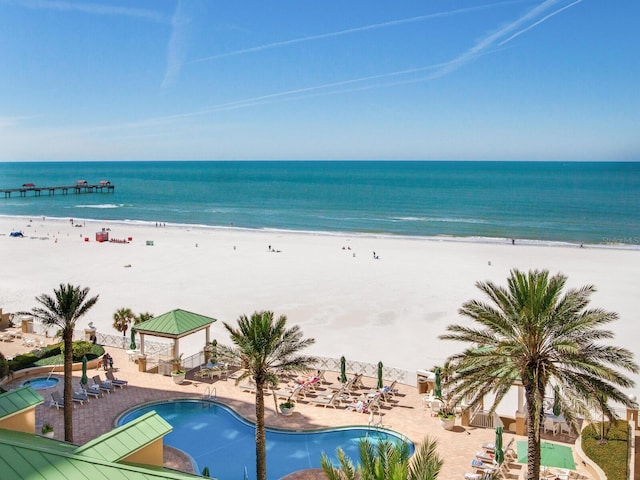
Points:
406	416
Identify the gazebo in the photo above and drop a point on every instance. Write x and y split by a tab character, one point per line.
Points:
174	324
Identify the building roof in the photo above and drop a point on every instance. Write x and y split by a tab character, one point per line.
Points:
174	324
17	400
22	458
121	442
26	456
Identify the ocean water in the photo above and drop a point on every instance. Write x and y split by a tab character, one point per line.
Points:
578	202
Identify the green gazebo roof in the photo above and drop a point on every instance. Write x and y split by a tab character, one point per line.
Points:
17	400
174	324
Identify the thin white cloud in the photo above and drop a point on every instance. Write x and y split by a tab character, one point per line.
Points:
490	40
177	43
91	8
375	26
543	19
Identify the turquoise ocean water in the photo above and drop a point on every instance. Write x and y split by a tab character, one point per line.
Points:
592	203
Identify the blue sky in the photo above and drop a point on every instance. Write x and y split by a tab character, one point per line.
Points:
356	79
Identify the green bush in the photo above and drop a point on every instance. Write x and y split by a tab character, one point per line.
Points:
611	455
4	366
53	355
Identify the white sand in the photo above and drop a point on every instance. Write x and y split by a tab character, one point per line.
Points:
391	309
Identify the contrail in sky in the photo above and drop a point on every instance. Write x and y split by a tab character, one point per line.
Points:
91	8
489	40
517	34
349	31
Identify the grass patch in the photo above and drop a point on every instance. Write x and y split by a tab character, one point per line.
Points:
612	455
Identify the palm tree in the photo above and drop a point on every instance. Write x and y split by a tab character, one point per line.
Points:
142	317
68	304
387	461
534	333
267	349
122	318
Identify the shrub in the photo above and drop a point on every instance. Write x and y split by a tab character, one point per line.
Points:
4	366
80	349
612	455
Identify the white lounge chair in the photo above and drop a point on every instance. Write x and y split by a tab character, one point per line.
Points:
93	390
56	400
332	401
115	381
104	386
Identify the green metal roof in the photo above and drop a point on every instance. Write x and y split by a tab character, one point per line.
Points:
25	456
17	400
174	324
126	439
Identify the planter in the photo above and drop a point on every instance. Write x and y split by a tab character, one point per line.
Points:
447	422
49	434
286	411
178	378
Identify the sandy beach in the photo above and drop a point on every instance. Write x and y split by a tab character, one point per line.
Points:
390	308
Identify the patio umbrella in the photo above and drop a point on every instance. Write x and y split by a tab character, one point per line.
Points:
556	401
343	370
380	382
437	391
499	453
551	455
84	380
205	472
132	345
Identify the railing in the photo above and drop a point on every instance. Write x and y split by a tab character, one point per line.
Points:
367	369
484	419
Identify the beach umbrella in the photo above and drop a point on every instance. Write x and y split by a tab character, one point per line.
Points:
556	401
132	345
499	453
84	380
438	388
205	472
380	382
343	370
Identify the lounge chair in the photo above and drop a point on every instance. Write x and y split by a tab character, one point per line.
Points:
93	390
104	386
56	400
80	396
115	381
332	401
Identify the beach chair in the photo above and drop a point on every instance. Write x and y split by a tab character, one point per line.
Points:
93	390
115	381
550	425
332	401
104	386
56	400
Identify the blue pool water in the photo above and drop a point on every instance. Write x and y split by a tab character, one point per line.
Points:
41	383
216	437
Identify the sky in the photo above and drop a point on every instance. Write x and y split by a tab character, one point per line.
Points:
356	79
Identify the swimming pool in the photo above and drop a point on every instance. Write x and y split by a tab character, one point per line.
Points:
216	437
41	383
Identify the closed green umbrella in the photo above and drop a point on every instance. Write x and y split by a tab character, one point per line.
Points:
437	391
498	452
132	345
343	370
556	401
84	380
205	472
380	382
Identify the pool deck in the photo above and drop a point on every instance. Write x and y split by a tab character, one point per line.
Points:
406	416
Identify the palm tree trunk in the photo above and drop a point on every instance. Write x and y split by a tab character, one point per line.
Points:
261	442
68	386
533	437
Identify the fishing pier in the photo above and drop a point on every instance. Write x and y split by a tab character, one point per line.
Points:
81	186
